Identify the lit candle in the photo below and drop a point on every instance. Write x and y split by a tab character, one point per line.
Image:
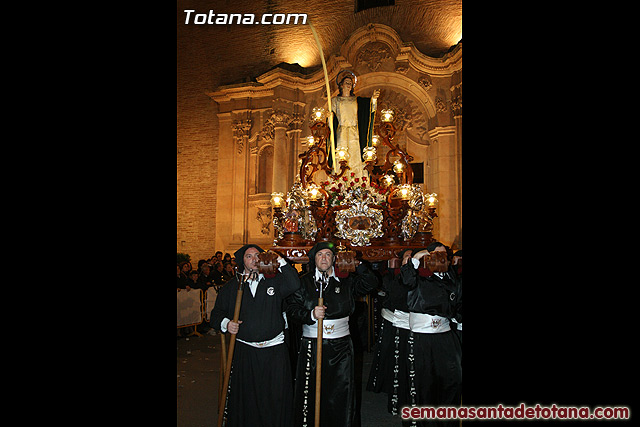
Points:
343	154
310	141
387	115
398	167
317	114
374	140
313	191
369	154
277	200
405	191
431	198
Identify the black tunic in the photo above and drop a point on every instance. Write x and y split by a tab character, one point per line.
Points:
338	404
435	359
260	386
389	369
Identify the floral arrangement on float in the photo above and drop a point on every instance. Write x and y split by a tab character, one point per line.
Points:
340	188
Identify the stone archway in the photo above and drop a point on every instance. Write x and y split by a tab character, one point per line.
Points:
412	104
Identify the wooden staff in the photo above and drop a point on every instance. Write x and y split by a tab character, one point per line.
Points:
223	364
232	345
319	354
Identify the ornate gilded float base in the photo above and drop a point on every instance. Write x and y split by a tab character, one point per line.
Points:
298	254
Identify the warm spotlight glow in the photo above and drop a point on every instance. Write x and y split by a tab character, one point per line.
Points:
297	48
453	31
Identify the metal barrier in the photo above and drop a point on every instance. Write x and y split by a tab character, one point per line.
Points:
209	302
190	308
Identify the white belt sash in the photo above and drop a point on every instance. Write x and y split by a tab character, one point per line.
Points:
331	328
400	319
387	314
428	324
459	325
278	339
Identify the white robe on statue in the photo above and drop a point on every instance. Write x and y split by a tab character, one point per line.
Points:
346	110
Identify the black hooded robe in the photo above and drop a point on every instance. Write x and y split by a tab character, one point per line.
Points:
338	401
389	372
260	386
389	366
435	368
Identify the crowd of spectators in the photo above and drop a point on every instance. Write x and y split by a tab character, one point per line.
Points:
215	271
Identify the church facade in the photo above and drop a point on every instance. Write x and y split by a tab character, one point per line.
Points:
262	125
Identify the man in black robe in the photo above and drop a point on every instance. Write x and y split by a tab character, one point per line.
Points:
260	386
389	366
435	353
338	400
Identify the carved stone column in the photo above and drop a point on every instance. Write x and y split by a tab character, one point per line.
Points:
281	150
295	129
224	199
253	169
456	107
241	132
445	176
